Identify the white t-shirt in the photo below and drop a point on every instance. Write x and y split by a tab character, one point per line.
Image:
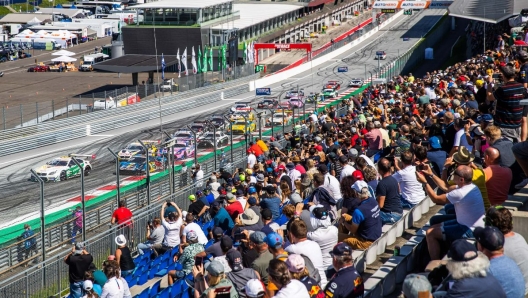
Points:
242	201
115	288
294	289
332	183
202	239
198	178
326	238
251	160
347	170
469	205
410	188
172	232
460	140
312	250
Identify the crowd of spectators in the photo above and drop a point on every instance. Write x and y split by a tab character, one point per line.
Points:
288	223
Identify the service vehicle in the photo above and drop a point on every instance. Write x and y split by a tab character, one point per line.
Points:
240	106
207	140
218	121
167	85
278	119
105	104
135	148
63	168
240	126
329	93
356	82
295	102
90	60
381	55
137	165
268	103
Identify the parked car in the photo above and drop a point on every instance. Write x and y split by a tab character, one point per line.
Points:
207	140
39	68
355	83
240	127
183	136
268	103
278	119
199	127
241	106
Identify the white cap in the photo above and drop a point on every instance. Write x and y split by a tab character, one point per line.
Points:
359	185
254	288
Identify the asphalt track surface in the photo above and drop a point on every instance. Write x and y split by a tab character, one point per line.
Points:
19	196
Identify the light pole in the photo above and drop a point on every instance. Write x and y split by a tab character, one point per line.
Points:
365	72
259	115
230	135
370	72
170	161
83	201
147	170
118	186
195	145
42	218
245	131
214	142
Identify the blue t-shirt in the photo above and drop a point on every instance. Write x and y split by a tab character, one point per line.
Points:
210	198
223	220
204	200
366	216
506	271
388	187
438	159
477	287
97	288
273	204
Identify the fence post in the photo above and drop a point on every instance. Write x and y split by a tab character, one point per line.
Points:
137	94
36	109
93	102
53	108
21	117
146	87
3	117
67	108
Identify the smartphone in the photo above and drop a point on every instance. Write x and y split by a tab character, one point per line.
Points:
198	260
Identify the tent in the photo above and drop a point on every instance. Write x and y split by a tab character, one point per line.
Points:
42	33
63	59
34	21
63	53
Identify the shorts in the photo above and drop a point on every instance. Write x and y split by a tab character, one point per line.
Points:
520	150
452	231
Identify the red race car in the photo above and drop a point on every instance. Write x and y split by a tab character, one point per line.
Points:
39	68
335	85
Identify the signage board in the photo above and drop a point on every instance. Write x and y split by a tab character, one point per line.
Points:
386	4
259	68
263	91
342	69
387	10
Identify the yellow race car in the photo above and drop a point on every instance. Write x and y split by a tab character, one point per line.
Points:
240	127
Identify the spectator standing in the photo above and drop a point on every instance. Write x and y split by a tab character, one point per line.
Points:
239	275
515	246
260	265
197	176
330	182
449	132
155	235
30	243
221	218
298	235
172	227
411	190
347	169
123	217
77	223
323	195
233	206
324	234
346	283
374	139
78	261
498	179
123	256
387	194
490	242
288	287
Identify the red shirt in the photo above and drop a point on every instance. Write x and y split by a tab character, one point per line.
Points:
122	214
255	148
234	209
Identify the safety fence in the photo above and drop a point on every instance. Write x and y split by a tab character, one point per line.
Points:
24	115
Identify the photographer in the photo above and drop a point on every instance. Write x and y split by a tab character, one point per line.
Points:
155	234
78	261
508	111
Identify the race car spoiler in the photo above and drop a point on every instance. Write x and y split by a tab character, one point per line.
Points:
83	156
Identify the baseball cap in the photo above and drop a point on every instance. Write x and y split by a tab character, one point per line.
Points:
240	192
295	263
358	175
215	268
191	235
257	237
359	185
522	55
341	249
343	159
226	243
280	168
79	247
319	212
353	153
414	284
231	197
491	238
290	166
217	231
252	201
487	118
254	288
434	142
270	189
234	258
461	251
88	285
273	240
120	240
322	168
252	190
266	214
260	177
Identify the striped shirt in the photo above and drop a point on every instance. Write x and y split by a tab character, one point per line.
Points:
508	111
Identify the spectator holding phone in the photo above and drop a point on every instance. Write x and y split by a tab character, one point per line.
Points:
216	285
187	257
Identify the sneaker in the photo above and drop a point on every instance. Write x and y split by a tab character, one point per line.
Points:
521	184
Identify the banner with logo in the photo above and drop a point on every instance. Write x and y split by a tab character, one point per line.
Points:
414	4
386	4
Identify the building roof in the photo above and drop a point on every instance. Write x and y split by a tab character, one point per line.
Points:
254	13
180	4
135	63
23	18
490	11
65	11
72	27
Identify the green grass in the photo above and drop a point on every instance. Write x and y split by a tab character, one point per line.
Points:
4	11
46	3
23	7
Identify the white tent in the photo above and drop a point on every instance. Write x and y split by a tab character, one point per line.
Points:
42	33
34	21
63	53
63	59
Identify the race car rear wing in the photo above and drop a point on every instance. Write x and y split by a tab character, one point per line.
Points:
83	156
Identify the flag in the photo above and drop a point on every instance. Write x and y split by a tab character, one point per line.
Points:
224	60
204	63
184	61
251	53
193	62
179	62
211	58
163	65
244	52
199	59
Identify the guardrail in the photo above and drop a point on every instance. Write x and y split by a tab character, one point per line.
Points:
56	131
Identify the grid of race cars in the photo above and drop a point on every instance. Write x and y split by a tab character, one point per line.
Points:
133	158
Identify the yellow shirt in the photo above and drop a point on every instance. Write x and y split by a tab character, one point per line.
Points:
262	145
410	79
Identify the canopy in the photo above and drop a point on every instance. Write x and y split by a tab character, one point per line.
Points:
34	21
63	59
42	33
63	53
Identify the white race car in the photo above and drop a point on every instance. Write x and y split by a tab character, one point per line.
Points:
135	148
63	168
355	83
